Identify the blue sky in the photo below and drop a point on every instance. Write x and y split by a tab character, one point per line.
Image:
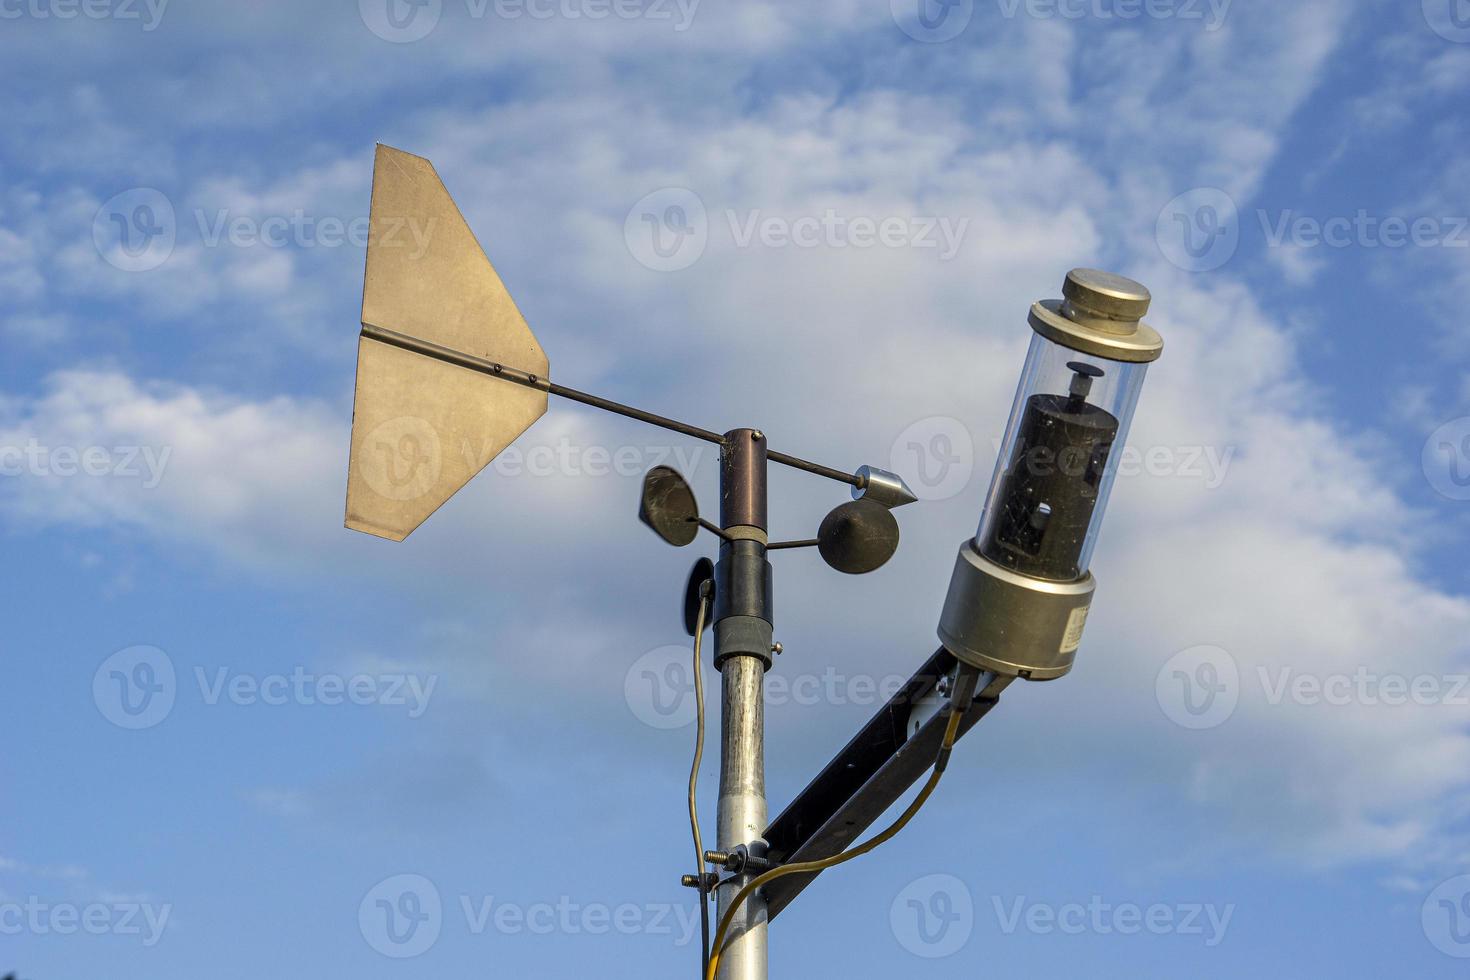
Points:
1260	763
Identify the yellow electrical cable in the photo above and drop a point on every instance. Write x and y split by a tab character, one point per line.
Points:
694	771
951	730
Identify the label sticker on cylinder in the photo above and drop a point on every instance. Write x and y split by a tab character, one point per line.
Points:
1072	638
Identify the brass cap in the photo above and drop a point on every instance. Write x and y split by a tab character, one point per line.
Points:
1101	314
1102	294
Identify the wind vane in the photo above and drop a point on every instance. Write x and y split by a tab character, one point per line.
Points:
445	358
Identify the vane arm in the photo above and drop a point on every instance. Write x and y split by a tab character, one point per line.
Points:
515	376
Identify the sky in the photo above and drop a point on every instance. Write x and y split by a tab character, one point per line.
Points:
245	741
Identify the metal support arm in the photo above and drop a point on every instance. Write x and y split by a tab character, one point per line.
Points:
868	776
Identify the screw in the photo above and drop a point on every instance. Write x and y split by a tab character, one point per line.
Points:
776	648
692	881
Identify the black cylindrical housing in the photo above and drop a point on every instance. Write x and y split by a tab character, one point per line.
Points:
1047	495
742	581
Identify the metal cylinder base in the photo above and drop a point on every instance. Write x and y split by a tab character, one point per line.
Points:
999	620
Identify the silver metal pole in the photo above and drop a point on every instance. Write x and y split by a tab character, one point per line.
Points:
742	654
742	813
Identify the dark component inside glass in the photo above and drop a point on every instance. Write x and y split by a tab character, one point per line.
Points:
1049	489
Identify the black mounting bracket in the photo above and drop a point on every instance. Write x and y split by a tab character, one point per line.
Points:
867	777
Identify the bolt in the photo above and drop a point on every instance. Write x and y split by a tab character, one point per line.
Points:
776	648
692	881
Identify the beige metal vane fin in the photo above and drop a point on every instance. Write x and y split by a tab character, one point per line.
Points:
421	428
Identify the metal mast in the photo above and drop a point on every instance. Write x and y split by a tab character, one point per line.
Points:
742	655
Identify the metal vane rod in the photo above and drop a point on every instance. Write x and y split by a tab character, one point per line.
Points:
516	376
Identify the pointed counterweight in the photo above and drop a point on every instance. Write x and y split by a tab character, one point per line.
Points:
421	428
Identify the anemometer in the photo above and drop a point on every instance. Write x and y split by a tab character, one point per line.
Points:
446	360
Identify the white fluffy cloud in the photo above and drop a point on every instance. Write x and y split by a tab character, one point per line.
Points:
1295	552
